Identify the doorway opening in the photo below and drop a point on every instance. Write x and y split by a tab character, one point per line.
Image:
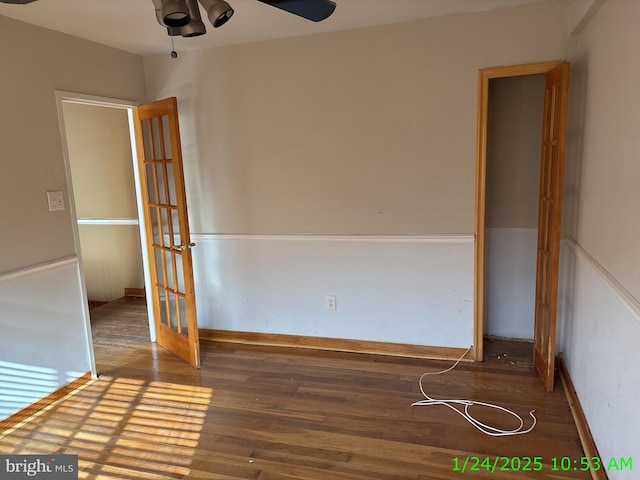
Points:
549	212
105	200
514	132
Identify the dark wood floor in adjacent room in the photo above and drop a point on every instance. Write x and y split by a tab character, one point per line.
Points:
282	414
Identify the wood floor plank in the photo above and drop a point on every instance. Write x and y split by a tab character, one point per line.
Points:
270	413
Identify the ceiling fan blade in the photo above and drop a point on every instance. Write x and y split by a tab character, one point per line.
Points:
314	10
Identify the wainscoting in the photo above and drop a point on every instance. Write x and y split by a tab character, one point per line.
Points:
510	283
599	329
45	334
412	290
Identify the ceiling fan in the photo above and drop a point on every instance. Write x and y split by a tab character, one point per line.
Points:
182	17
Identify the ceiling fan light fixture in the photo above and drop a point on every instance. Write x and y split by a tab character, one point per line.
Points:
175	13
195	27
182	17
218	11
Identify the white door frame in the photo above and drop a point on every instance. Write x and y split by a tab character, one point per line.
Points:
69	97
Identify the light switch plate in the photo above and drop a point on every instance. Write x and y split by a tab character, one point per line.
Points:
56	201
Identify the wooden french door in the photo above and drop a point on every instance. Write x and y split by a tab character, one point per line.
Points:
167	228
549	221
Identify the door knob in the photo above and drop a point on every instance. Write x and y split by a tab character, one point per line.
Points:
182	247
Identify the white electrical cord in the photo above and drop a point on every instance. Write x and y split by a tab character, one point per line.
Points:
488	429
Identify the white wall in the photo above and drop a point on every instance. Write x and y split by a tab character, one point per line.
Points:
39	62
599	332
111	260
581	12
361	132
510	284
599	319
42	316
368	132
414	290
44	332
606	222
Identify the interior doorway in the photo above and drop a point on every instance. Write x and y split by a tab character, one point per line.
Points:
514	132
549	211
104	196
99	148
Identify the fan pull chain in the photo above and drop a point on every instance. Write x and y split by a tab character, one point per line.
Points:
174	54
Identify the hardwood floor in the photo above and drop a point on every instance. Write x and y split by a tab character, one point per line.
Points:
282	414
506	352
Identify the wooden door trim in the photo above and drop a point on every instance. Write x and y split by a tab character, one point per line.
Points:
484	75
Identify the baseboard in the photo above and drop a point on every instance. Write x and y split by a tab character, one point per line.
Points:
135	292
586	439
336	344
22	416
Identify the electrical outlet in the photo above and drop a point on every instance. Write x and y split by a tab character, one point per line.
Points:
331	303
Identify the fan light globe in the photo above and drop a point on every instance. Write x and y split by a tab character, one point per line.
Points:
175	13
218	11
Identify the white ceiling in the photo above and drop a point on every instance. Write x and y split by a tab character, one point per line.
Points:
131	25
